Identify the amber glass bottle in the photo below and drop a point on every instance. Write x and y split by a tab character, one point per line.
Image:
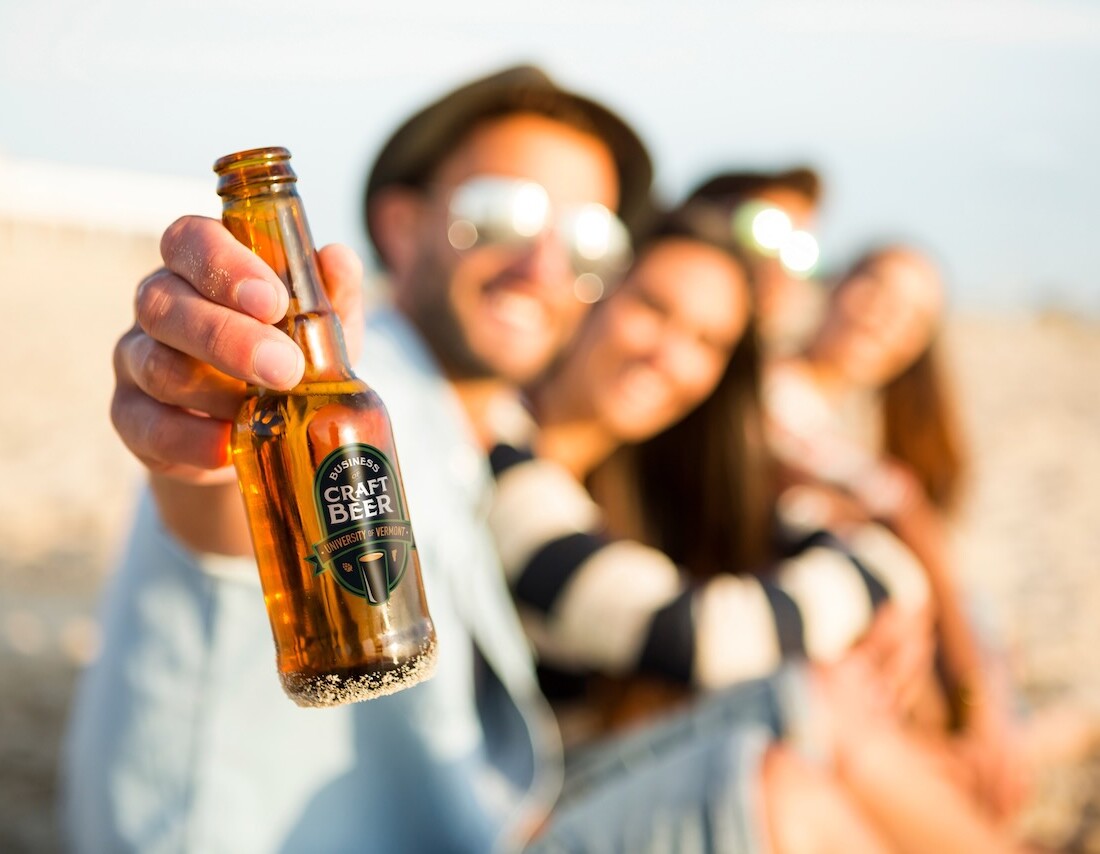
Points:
319	475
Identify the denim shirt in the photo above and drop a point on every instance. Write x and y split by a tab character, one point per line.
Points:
182	739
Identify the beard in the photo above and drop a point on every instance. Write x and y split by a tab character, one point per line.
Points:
428	306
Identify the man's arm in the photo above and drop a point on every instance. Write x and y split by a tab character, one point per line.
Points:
203	331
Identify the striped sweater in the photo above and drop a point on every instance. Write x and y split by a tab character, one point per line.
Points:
594	604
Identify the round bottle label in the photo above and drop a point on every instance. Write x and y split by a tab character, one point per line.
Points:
367	534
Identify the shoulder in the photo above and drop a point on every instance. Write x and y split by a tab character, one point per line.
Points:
443	468
431	430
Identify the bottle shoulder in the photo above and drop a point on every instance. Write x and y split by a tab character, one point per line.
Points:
346	395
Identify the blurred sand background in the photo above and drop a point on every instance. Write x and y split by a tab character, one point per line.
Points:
1028	547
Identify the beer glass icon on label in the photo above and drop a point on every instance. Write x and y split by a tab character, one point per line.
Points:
376	578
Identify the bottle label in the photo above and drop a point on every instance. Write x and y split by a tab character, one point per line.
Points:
367	535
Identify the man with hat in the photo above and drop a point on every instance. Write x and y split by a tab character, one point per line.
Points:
493	212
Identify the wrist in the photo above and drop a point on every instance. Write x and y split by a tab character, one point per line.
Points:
205	518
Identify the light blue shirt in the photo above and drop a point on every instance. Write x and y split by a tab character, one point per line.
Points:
182	739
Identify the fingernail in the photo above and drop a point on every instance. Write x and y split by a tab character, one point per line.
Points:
258	298
276	363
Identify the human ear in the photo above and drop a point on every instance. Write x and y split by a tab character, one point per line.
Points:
396	215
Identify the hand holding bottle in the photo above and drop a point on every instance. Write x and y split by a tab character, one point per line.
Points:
203	330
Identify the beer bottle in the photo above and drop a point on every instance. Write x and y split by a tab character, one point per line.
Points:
318	471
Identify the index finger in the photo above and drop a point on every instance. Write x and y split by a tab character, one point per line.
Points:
202	252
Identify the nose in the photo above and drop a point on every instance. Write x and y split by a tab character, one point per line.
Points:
879	307
673	354
867	302
546	260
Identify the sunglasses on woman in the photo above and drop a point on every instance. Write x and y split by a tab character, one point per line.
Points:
768	230
515	214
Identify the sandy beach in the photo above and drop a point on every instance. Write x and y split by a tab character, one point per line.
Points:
1028	544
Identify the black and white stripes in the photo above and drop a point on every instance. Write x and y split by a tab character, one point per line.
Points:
616	606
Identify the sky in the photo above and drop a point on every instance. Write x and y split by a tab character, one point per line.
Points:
969	126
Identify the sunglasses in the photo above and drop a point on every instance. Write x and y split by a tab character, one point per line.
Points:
769	231
514	214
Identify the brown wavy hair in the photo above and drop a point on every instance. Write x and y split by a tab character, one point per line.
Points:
707	483
920	422
921	428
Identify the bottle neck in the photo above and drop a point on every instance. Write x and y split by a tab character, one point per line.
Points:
270	220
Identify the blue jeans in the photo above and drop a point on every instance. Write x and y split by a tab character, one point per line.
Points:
687	783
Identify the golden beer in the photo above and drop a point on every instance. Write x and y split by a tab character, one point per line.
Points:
319	474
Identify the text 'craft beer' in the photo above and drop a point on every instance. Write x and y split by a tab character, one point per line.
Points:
319	474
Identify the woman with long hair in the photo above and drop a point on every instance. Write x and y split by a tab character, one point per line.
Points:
675	579
708	596
865	426
869	397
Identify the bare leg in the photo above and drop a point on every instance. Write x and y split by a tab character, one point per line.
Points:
808	813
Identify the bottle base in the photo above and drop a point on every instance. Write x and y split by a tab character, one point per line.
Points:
320	690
